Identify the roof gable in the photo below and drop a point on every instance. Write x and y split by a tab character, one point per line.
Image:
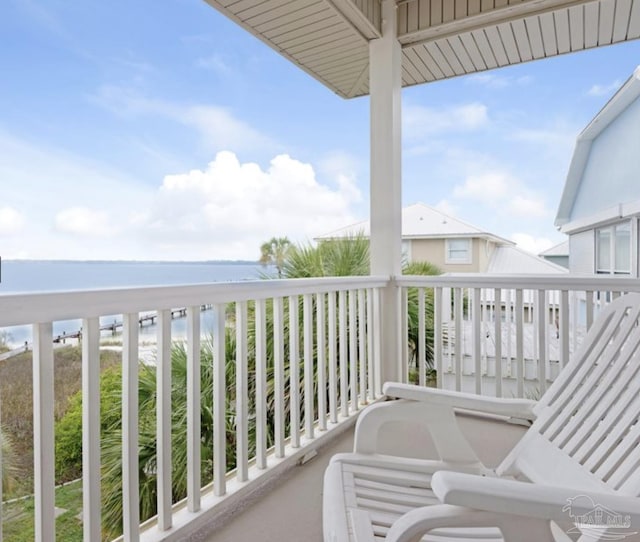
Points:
615	107
420	221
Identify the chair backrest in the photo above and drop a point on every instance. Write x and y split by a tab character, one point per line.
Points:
587	434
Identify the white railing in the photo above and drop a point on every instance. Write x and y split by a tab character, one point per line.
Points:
305	357
313	337
498	335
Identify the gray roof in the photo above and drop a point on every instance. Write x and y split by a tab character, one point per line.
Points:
420	221
515	261
561	249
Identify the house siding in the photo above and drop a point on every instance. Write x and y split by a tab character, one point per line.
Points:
611	173
434	251
582	252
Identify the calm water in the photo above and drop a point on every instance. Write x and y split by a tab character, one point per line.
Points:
48	276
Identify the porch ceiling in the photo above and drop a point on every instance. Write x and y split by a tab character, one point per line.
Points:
440	38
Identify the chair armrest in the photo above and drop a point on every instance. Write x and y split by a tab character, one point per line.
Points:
515	408
526	499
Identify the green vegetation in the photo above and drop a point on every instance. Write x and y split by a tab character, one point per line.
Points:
17	403
18	523
5	339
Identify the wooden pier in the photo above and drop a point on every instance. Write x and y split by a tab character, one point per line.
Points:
144	320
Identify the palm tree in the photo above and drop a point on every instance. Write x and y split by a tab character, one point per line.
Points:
275	252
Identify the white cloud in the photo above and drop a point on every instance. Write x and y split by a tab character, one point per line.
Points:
488	187
446	207
534	245
502	193
84	222
227	210
420	121
530	206
217	126
214	62
604	90
11	221
494	81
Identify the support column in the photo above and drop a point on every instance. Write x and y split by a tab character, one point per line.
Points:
386	183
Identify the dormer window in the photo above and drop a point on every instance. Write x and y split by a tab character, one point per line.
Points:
458	251
613	249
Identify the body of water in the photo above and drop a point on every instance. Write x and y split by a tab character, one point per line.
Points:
22	276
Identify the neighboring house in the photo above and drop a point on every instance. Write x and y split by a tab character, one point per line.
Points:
558	254
453	245
600	205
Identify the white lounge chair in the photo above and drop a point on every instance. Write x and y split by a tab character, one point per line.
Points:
575	469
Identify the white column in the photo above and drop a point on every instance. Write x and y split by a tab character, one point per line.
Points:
386	183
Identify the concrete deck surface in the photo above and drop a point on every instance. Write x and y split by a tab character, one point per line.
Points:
292	512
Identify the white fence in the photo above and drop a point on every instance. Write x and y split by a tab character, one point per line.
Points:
306	357
503	335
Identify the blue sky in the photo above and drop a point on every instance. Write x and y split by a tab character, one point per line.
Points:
162	131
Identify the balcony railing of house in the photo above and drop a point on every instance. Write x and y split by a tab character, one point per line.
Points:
305	357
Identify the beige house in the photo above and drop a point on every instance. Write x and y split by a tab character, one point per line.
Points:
453	245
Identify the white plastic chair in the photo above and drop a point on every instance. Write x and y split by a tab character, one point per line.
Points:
577	466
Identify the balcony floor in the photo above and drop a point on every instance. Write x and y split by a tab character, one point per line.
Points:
293	510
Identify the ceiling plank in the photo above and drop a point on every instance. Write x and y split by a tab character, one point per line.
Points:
576	25
522	40
621	22
634	22
605	28
561	20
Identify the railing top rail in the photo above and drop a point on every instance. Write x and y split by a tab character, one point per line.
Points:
536	282
21	309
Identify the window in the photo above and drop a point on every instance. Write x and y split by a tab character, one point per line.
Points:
458	251
613	249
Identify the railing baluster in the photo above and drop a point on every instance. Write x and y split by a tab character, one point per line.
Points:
404	334
477	340
333	360
422	339
309	415
91	506
437	335
163	420
130	464
43	435
219	401
343	349
193	409
322	358
377	346
242	394
278	363
459	335
370	356
362	346
497	326
542	339
261	384
353	352
294	379
563	327
589	308
519	316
